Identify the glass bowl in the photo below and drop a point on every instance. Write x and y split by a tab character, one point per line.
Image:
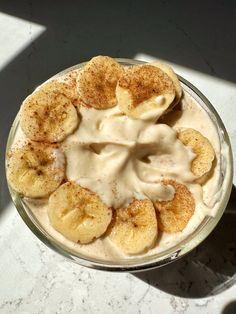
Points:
159	259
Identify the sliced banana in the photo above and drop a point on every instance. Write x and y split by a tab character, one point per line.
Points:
78	213
201	146
134	228
143	89
48	115
58	87
35	169
174	215
97	82
170	72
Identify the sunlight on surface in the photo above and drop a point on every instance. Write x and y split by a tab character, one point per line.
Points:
220	92
16	34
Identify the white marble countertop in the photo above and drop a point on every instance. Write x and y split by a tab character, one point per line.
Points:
38	40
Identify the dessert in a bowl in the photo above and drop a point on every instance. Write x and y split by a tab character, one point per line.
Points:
119	165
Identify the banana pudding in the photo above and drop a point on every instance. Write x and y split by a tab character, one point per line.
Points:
115	161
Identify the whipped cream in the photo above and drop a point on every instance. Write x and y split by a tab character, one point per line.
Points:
121	159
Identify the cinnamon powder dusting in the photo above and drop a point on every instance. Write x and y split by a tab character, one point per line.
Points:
144	82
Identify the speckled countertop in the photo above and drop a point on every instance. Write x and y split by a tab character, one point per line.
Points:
39	39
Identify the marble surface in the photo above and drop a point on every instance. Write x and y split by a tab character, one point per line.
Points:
38	40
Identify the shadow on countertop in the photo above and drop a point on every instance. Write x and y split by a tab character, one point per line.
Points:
207	270
230	308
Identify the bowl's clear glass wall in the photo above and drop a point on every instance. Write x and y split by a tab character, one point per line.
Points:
148	262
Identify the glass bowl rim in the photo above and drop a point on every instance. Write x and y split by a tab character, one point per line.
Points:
171	254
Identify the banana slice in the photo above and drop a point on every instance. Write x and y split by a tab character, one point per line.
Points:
97	82
143	89
57	87
169	71
35	169
48	115
174	215
78	213
205	154
134	228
